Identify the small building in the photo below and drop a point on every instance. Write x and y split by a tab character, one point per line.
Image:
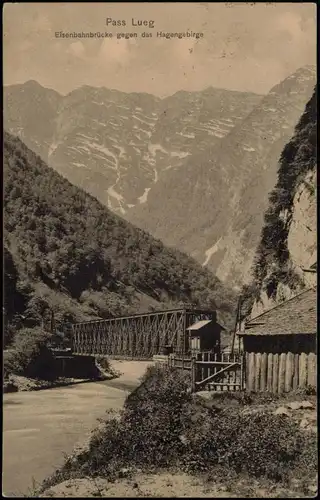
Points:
280	346
205	335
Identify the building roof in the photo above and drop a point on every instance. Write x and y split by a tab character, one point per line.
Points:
199	324
295	316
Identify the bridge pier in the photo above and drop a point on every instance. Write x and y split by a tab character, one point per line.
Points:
74	366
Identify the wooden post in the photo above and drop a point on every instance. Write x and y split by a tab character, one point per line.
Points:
282	372
193	374
251	371
206	358
269	372
214	357
246	373
275	374
312	369
257	372
236	324
295	380
242	367
202	367
288	385
263	375
303	367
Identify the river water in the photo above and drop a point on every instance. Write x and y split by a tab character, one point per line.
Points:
39	427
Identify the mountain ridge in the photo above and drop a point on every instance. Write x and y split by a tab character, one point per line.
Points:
99	135
194	169
247	159
66	251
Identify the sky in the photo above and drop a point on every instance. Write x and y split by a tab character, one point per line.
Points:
245	46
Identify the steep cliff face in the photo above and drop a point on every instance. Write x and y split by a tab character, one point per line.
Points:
212	207
288	242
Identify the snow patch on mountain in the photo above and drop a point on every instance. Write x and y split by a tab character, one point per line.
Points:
147	132
52	148
81	165
188	136
179	154
208	253
121	150
103	149
143	121
116	196
156	177
153	148
144	197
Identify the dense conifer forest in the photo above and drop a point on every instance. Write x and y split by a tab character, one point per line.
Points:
64	250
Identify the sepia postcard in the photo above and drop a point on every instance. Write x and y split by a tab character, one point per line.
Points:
160	249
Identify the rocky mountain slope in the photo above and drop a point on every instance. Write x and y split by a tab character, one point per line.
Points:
213	206
193	169
117	145
66	250
288	242
30	111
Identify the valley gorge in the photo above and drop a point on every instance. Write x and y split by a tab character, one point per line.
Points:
194	169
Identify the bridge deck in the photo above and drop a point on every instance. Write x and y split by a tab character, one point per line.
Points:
139	335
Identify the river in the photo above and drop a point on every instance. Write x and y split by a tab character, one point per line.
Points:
39	427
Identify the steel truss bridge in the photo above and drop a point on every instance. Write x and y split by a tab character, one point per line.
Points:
138	336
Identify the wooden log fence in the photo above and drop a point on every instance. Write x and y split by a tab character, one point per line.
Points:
280	372
250	371
211	371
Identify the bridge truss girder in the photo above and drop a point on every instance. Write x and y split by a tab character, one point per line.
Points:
139	336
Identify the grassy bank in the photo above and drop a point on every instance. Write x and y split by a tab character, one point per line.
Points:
165	428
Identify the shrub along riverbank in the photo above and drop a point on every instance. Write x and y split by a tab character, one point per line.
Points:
30	364
164	427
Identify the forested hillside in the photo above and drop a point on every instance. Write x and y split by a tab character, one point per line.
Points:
67	251
288	240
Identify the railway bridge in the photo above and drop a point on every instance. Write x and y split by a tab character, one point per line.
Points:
140	336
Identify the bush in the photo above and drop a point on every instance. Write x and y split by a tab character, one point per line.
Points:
104	363
147	432
309	390
163	425
153	417
30	355
259	444
264	445
105	367
9	386
226	398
